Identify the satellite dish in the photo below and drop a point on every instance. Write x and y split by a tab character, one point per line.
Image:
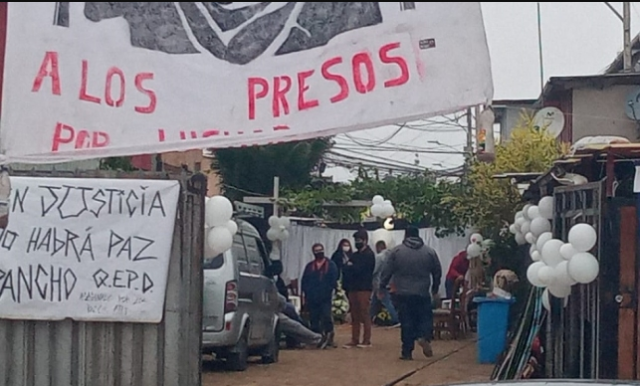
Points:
632	105
550	118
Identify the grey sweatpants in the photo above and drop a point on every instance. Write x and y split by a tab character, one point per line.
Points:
297	331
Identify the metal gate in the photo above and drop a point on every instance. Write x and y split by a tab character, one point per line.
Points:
573	332
38	353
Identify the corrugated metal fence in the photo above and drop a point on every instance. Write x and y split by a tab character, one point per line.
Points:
34	353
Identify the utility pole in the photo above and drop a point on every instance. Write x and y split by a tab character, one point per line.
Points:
625	18
540	49
626	21
468	149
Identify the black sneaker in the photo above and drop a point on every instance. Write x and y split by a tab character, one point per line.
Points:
405	357
323	342
426	347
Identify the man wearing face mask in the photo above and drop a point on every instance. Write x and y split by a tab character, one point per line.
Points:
358	276
319	280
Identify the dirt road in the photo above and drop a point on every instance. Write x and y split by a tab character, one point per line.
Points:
376	366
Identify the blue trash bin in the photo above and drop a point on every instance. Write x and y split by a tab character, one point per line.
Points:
493	320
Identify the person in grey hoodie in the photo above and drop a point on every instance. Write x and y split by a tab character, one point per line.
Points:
382	297
416	271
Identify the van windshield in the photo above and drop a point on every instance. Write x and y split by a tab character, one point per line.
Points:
213	262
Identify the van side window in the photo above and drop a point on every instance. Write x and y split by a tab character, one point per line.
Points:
240	254
254	255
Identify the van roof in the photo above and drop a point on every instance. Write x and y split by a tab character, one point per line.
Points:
247	229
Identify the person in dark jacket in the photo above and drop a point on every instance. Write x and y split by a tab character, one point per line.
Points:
358	278
341	256
319	280
416	271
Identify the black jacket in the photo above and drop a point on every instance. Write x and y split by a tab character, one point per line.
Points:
358	276
318	285
412	266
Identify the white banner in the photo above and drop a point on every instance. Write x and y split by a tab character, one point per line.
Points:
87	249
101	79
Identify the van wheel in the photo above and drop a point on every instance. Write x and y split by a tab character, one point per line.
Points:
239	354
271	351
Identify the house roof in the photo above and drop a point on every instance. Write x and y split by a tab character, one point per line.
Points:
617	65
513	102
556	85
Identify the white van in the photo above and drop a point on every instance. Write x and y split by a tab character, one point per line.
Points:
240	313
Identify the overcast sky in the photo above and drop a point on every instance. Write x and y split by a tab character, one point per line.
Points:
577	39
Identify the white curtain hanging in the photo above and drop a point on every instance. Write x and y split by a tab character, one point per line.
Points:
296	251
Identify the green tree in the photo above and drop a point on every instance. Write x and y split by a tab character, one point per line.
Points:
250	170
117	163
489	204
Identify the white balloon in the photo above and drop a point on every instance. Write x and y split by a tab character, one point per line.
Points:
583	237
285	222
220	240
535	256
567	251
232	227
476	238
520	239
474	250
525	212
533	212
546	300
559	290
547	275
387	203
388	211
542	240
531	239
584	267
545	207
546	303
532	249
532	273
208	251
274	221
283	235
526	227
520	221
376	210
377	200
540	225
562	274
518	215
513	229
551	252
272	234
218	211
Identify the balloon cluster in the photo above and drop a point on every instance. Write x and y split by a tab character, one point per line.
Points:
219	228
533	221
381	207
478	246
557	265
278	228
